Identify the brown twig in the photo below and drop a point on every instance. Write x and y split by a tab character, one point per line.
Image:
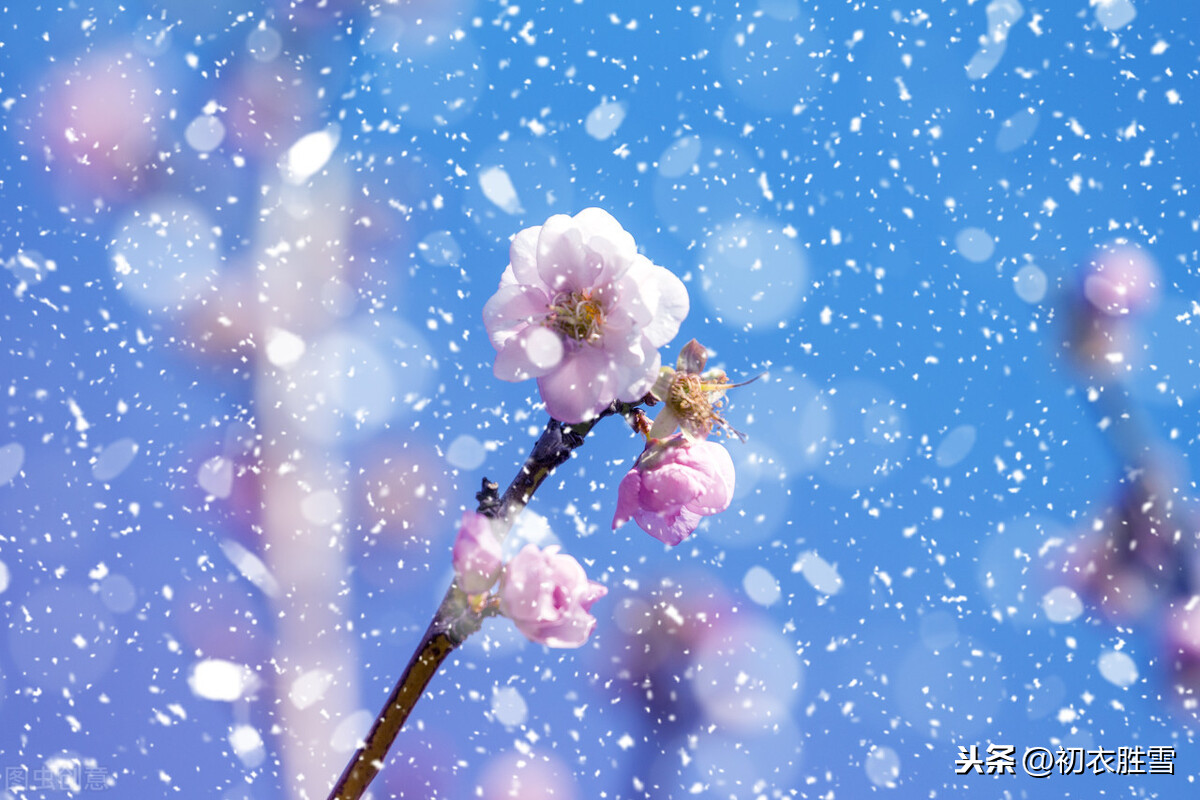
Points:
552	448
454	620
440	639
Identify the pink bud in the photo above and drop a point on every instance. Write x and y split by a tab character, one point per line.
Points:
548	596
674	483
477	560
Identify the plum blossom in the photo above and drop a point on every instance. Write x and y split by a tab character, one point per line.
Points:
674	483
477	556
584	313
548	596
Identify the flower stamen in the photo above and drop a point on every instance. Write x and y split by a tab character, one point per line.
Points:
694	397
697	402
577	316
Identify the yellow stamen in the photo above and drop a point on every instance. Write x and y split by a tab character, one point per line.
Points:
577	315
689	398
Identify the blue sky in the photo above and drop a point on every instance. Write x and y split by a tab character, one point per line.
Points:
248	236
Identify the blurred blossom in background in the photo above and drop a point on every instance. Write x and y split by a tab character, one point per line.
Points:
248	391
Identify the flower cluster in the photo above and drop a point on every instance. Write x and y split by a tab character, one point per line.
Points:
544	592
580	310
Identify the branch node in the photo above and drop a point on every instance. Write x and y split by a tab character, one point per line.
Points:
488	498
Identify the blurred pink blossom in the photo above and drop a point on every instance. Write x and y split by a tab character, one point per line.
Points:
100	122
1121	280
548	596
674	483
1181	648
477	558
580	310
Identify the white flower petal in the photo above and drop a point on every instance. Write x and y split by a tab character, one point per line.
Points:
522	257
599	222
639	376
581	387
603	235
563	262
667	298
636	308
513	361
512	308
544	348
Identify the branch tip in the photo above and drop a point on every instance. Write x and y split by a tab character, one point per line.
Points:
488	498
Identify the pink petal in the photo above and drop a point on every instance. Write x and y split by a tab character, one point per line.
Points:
599	223
639	378
668	529
593	592
604	237
520	587
515	361
581	386
562	569
670	487
476	555
630	369
512	308
547	595
571	630
627	497
564	264
714	465
623	296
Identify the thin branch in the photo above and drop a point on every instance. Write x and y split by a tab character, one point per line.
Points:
552	448
438	642
454	621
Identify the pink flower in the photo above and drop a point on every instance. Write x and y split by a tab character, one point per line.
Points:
580	310
674	483
1121	280
548	596
477	561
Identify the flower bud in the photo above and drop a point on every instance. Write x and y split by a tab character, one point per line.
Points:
477	560
547	595
674	483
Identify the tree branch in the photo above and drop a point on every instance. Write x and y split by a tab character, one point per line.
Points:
437	643
552	449
454	620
